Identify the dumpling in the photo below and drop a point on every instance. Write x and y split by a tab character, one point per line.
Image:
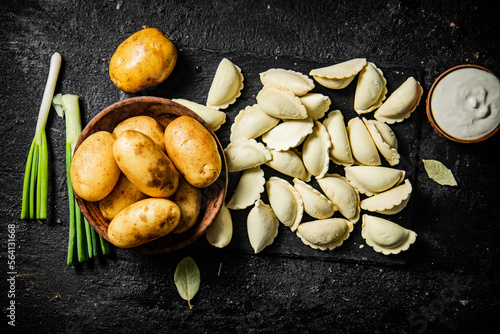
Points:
326	233
315	151
370	180
251	122
226	86
285	201
248	190
340	75
340	150
280	103
245	154
213	117
370	89
385	236
401	103
220	232
385	140
288	163
343	196
296	82
363	147
262	226
290	133
316	204
389	202
316	104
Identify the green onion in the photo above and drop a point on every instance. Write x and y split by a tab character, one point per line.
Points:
79	228
36	174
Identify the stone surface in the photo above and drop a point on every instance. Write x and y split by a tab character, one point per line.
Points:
450	281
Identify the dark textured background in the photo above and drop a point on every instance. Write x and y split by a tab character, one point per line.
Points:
450	283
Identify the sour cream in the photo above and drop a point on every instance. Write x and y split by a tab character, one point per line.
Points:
465	103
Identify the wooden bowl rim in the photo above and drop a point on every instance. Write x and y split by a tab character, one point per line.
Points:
190	235
430	115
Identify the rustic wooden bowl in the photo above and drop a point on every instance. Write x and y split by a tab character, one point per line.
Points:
432	120
164	111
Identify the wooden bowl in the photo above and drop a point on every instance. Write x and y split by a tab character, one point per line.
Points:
164	111
433	121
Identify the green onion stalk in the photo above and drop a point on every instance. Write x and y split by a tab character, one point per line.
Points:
67	106
36	174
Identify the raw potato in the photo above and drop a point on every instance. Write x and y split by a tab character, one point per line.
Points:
145	165
143	60
145	124
143	221
93	169
188	198
193	151
123	194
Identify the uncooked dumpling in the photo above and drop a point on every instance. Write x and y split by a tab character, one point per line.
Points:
343	196
340	75
401	103
290	133
385	236
315	151
244	154
391	201
248	190
213	117
262	226
220	232
226	85
363	147
316	104
325	233
370	180
296	82
280	103
385	140
289	163
316	204
340	150
370	89
285	201
251	122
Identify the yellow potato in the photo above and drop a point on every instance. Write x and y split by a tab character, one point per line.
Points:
123	194
145	124
193	150
145	165
93	169
143	60
143	221
188	198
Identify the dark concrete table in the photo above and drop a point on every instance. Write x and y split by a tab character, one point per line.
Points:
450	282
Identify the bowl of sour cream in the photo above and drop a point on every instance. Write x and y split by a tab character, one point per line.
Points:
463	104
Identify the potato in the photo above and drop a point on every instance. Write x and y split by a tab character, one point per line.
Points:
123	194
93	169
143	60
188	198
145	165
145	124
143	221
193	150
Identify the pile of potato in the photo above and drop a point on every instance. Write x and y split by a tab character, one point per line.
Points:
146	179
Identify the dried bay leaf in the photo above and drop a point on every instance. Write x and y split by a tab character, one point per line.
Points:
439	172
187	279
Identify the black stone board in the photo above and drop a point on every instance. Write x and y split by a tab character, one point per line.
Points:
191	81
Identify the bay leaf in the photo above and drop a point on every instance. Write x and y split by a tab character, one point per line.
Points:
438	172
187	279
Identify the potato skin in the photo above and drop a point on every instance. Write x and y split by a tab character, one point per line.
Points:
193	150
93	169
143	221
188	198
123	194
145	124
144	59
145	165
